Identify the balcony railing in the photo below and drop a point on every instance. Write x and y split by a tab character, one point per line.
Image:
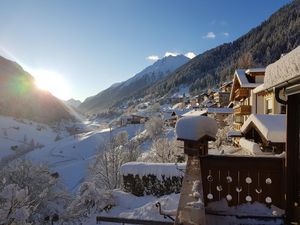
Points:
243	180
241	93
242	110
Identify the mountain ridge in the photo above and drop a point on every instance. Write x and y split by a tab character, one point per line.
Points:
126	89
20	98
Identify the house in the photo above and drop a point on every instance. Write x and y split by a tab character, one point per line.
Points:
269	131
133	119
221	97
243	82
219	114
284	76
264	101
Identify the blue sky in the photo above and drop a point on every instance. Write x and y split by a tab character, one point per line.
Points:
86	46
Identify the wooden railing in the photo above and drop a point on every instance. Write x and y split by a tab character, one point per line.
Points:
100	219
240	179
242	110
241	93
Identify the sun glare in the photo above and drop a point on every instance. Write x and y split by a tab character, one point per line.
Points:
53	82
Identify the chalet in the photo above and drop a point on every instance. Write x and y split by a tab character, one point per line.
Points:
264	101
219	114
243	82
268	131
284	76
221	97
133	119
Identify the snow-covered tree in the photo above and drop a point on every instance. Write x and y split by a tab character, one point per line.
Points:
90	199
154	127
163	150
29	194
106	168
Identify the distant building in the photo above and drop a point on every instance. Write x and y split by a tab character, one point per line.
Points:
243	82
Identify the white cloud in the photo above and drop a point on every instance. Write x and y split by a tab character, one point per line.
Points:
226	34
190	55
171	53
210	35
153	57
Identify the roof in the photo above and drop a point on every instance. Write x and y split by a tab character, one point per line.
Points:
272	127
195	113
284	69
259	89
194	128
255	70
240	76
220	110
243	80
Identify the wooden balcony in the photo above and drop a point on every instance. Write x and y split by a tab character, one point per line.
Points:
241	93
242	110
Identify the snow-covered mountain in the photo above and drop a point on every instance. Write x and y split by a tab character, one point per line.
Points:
133	86
73	102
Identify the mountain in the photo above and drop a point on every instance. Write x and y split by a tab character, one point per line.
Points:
19	96
263	45
133	86
73	102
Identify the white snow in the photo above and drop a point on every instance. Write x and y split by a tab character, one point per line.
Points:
183	91
14	132
255	70
259	88
158	169
241	76
250	146
130	206
284	69
195	127
272	127
71	156
234	133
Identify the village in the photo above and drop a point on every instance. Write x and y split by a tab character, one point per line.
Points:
260	185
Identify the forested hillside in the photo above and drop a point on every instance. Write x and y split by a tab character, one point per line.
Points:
259	47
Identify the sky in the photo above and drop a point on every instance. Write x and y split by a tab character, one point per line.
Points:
77	48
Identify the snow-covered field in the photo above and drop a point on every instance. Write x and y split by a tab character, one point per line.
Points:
71	156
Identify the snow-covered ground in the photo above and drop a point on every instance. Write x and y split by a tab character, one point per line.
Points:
130	206
20	133
71	156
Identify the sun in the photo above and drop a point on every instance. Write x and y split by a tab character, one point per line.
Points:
53	82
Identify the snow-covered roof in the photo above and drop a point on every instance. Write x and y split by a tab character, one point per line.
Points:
209	111
220	110
194	128
158	169
259	89
195	113
272	127
234	133
243	80
255	70
284	69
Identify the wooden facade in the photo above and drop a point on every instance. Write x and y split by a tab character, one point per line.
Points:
242	110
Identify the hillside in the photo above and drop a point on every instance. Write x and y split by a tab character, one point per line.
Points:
133	86
259	47
20	98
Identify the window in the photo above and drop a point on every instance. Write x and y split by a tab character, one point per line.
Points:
268	105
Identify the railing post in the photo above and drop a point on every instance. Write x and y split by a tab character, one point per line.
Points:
195	132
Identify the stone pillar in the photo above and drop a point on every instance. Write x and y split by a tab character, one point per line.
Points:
190	210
